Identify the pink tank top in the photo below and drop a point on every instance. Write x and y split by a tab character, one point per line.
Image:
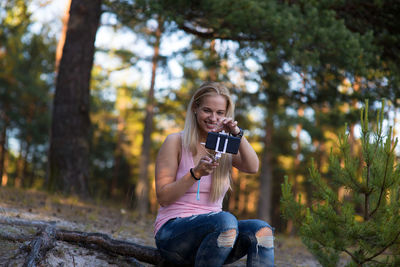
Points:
188	205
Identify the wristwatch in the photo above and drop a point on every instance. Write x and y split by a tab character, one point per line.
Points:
240	134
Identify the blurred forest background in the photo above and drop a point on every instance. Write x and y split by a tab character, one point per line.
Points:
87	95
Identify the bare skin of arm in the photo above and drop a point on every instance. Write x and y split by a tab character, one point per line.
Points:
246	160
169	189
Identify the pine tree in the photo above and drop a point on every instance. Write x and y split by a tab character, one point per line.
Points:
70	126
365	223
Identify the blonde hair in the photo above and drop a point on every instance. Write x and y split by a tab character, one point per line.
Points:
222	174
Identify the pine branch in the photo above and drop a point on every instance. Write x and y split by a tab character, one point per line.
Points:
383	249
353	180
350	254
213	35
344	150
344	250
366	206
367	193
368	160
382	189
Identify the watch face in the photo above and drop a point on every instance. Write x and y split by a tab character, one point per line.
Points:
223	143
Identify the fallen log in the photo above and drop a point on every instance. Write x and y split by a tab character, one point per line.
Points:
49	232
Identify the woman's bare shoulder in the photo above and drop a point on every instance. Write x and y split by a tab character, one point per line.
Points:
171	149
173	138
172	142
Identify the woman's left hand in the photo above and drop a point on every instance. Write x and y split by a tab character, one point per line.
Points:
228	125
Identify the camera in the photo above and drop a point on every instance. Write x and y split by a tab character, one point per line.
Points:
222	143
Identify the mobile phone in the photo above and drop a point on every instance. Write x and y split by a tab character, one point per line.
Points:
221	142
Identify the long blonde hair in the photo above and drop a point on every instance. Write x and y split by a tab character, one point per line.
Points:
191	137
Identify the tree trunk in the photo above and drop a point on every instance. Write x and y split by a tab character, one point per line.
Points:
19	179
61	41
59	50
117	156
4	178
265	198
234	194
69	140
3	142
241	206
395	121
142	188
31	174
25	163
214	62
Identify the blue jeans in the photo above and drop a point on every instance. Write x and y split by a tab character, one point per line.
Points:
201	240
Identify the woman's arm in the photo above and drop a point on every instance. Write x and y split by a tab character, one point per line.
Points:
168	189
246	160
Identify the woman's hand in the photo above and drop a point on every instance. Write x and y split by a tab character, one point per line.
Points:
205	167
246	160
228	125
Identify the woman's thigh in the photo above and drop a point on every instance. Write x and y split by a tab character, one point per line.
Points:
179	239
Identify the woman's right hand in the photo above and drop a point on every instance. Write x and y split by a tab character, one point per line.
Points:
205	167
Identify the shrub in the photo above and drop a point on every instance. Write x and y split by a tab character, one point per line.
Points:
366	223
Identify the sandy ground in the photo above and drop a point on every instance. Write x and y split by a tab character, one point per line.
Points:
72	214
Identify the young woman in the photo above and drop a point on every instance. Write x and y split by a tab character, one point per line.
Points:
191	228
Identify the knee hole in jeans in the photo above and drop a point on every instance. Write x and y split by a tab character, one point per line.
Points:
227	238
265	238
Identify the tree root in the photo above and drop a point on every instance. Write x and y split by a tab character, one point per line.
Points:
40	245
48	233
103	241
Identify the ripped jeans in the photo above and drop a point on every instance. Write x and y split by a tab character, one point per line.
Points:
214	239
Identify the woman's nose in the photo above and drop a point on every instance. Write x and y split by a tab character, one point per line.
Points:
214	117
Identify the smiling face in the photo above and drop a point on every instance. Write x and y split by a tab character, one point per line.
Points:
210	111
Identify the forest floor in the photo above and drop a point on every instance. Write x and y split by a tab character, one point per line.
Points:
73	214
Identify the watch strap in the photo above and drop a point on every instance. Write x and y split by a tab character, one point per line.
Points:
240	134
